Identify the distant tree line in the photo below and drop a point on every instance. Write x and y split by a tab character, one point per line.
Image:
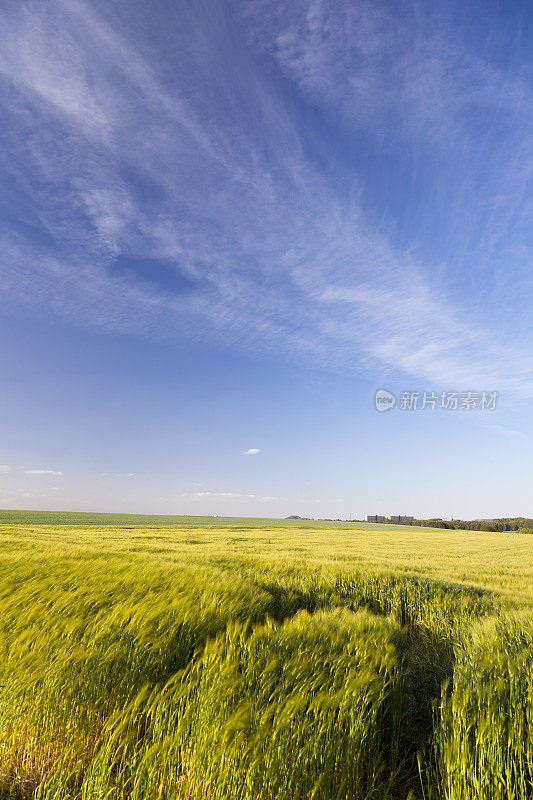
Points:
520	524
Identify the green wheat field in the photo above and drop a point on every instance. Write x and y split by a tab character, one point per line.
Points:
200	659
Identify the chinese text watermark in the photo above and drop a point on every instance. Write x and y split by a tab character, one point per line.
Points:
432	401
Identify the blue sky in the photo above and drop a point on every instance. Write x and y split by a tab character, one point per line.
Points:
225	225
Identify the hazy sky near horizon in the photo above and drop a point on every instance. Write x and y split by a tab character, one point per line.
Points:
226	225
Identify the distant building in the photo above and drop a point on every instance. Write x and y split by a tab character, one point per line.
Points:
399	518
375	518
378	518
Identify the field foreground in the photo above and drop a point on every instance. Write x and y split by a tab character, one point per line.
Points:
262	662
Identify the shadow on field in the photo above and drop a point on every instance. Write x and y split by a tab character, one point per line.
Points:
431	613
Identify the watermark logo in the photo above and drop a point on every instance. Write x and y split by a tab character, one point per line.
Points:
384	400
431	401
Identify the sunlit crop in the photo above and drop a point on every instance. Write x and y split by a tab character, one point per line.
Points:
264	663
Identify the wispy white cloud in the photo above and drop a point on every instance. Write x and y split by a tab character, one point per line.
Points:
42	472
231	496
5	468
378	67
13	494
280	255
253	451
506	431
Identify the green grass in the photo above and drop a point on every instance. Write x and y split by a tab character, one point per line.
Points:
143	520
258	662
